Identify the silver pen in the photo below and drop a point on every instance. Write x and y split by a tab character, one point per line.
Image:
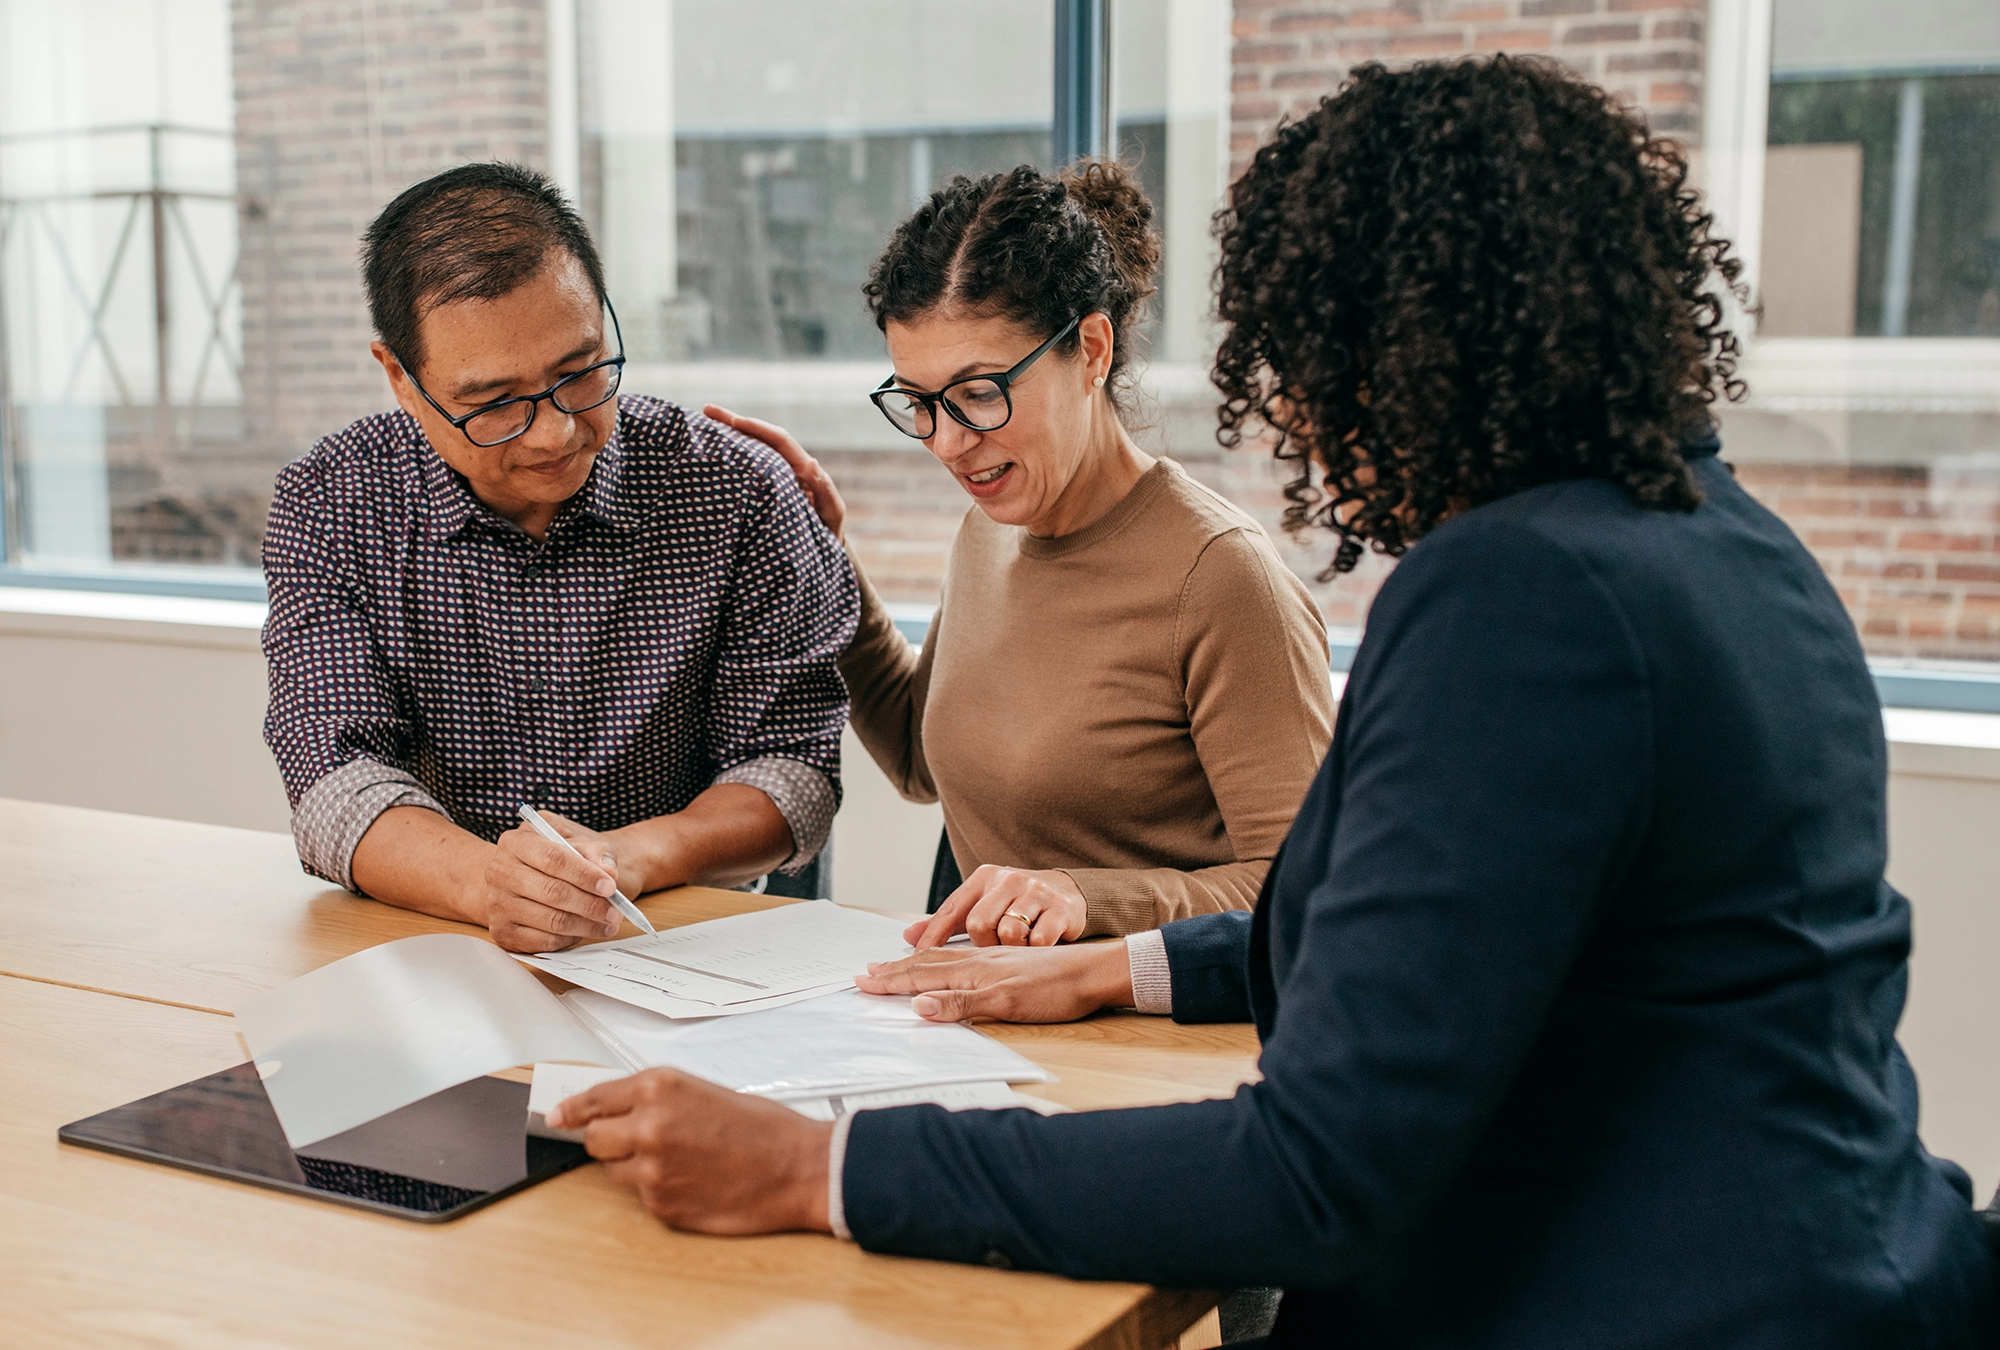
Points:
548	832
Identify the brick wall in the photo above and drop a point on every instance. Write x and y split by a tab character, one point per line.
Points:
338	108
1289	54
1916	560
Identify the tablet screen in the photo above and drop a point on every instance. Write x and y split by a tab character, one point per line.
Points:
432	1160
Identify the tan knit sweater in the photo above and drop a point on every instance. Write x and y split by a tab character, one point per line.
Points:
1142	703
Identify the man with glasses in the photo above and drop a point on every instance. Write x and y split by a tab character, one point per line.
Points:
522	589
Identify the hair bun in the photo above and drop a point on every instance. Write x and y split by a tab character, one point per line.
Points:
1109	192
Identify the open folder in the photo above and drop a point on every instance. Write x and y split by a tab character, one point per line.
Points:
391	1025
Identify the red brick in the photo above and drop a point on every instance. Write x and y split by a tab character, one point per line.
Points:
1846	538
1513	40
1665	30
1386	16
1933	542
1535	9
1921	629
1859	567
1476	13
1265	53
1601	32
1672	93
1874	627
1308	21
1663	58
1967	572
1305	79
1425	44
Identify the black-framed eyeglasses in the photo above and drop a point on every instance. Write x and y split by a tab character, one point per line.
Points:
976	402
498	423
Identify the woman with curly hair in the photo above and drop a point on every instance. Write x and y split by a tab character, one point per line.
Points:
1124	693
1577	976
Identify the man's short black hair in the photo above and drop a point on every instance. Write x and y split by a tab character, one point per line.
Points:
476	232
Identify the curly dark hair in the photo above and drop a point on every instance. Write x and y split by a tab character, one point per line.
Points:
1460	280
1036	248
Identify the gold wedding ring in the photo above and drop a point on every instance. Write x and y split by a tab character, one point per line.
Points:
1026	922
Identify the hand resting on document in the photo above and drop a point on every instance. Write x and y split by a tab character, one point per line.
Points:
1008	984
703	1158
1006	906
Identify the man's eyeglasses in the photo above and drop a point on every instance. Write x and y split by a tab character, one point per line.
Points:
977	402
498	423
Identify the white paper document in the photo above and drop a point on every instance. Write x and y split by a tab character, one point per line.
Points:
559	1082
389	1026
839	1044
951	1096
745	963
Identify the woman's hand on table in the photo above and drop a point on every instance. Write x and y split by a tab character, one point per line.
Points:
702	1158
1008	984
814	480
1006	906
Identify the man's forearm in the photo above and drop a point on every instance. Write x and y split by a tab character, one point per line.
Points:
417	859
730	834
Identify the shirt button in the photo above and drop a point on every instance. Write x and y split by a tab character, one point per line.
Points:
998	1260
536	684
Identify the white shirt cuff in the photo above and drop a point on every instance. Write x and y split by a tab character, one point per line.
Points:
1152	978
836	1159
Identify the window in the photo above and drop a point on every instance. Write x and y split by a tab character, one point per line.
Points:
1873	425
744	162
120	319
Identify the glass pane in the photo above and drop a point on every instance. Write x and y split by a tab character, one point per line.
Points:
118	258
1172	89
1882	178
1882	223
747	159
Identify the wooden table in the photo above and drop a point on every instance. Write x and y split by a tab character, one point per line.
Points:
127	940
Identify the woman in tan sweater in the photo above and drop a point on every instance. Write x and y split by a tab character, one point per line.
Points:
1124	693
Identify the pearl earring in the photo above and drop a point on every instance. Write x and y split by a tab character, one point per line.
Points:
1099	381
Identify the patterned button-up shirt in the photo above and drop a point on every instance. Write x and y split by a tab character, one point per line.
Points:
678	627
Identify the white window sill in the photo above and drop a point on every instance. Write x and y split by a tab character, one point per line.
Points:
1922	741
116	616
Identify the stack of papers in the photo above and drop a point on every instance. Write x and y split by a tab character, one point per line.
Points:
838	1044
745	963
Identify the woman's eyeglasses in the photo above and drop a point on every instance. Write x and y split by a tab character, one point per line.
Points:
498	423
977	402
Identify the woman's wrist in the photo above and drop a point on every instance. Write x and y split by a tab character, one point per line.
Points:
1109	972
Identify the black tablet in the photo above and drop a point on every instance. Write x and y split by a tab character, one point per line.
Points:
430	1161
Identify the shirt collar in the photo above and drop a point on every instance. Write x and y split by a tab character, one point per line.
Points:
451	505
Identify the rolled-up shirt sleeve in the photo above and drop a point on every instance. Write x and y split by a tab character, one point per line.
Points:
341	742
778	701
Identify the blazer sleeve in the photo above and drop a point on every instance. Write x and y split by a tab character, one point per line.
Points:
1208	960
1489	783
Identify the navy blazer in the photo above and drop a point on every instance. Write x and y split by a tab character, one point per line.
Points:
1577	981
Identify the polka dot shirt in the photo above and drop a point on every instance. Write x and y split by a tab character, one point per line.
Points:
678	627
